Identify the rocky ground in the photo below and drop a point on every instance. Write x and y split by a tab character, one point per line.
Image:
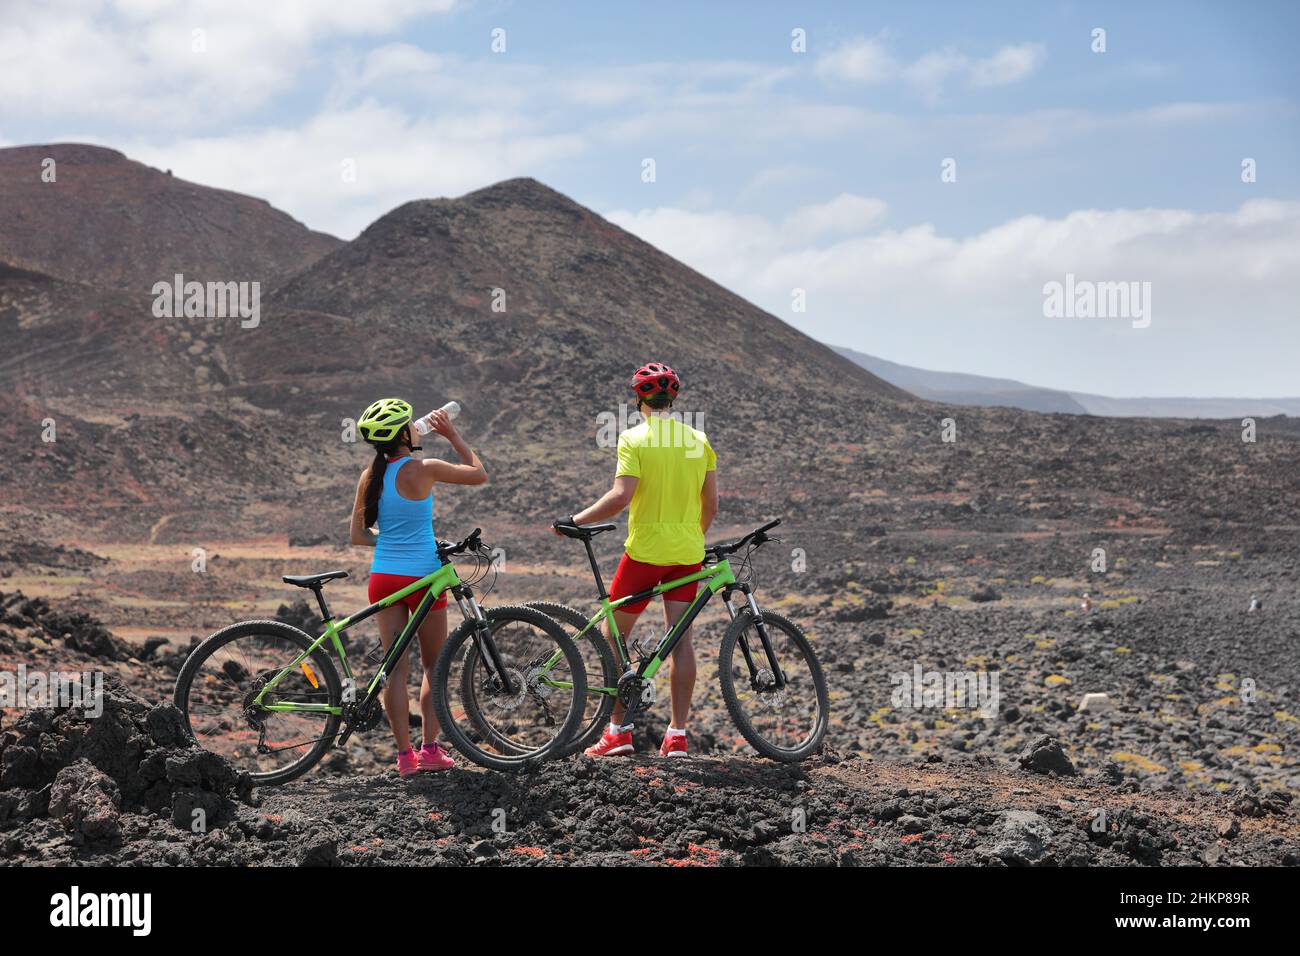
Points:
1191	760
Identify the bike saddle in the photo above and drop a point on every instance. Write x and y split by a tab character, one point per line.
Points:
313	580
585	532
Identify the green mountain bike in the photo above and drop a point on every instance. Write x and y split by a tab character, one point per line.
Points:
268	698
770	678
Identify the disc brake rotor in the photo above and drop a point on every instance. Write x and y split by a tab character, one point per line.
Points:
498	699
765	688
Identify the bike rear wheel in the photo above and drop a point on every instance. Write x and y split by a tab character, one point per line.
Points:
782	718
602	672
215	690
510	731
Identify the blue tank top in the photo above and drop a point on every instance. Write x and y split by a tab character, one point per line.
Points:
406	543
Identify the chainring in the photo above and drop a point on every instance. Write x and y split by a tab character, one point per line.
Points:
636	689
362	719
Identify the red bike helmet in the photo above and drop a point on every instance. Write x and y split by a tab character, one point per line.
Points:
653	378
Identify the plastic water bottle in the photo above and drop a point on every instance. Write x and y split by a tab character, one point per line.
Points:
425	425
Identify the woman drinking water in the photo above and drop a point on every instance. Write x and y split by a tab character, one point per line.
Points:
395	494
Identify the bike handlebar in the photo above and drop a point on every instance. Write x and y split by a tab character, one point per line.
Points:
758	537
470	543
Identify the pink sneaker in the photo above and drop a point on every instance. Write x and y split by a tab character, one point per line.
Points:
434	758
407	763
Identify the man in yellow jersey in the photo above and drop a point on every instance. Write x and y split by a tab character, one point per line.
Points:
667	473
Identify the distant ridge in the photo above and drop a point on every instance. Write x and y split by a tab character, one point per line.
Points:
960	388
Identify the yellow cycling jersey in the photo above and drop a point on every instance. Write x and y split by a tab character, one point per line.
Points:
670	460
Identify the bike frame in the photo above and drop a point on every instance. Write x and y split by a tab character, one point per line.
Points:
443	579
719	578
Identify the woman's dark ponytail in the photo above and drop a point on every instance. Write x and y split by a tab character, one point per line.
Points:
375	486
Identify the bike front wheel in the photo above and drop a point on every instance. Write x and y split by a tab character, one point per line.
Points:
774	690
510	724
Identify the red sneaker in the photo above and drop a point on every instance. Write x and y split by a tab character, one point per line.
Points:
674	745
611	745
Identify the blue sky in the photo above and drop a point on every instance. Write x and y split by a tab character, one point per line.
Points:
775	171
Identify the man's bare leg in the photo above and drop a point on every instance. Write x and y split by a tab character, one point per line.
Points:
681	665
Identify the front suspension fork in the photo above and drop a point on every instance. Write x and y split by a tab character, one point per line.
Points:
487	647
777	675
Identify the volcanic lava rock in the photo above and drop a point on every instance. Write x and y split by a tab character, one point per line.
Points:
86	800
77	631
142	750
319	849
1025	837
1044	755
1228	828
301	615
871	609
167	725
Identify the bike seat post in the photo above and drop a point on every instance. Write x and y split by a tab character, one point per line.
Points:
320	600
595	569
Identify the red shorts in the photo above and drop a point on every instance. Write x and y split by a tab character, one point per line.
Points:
382	585
632	577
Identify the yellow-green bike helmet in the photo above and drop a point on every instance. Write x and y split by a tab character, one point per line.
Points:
382	421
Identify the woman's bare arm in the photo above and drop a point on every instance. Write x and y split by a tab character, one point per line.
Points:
359	534
470	471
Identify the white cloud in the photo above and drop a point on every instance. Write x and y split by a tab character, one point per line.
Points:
867	61
1220	282
845	213
860	60
136	62
1011	64
397	61
930	73
730	246
780	176
397	158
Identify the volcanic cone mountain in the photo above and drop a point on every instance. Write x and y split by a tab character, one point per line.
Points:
110	221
